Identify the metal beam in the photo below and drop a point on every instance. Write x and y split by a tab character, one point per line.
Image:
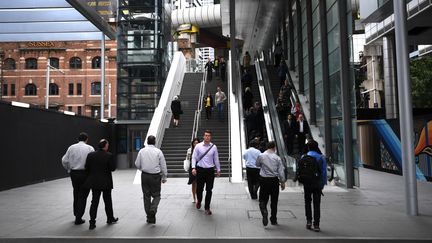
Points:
325	77
405	107
345	80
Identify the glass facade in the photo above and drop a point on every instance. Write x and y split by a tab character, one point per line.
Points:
144	31
333	59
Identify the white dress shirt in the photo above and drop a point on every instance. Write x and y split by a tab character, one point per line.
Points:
76	155
151	160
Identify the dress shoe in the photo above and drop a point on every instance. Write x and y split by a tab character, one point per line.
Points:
151	220
316	228
265	218
309	225
92	226
112	221
198	205
208	212
79	221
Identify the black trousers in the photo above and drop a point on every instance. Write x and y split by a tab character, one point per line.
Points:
253	181
301	139
205	176
289	141
80	194
151	188
95	203
208	112
269	187
312	194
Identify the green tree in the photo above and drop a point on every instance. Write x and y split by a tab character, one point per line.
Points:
421	79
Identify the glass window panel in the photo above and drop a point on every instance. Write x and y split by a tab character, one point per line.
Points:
333	39
12	89
332	17
335	95
334	61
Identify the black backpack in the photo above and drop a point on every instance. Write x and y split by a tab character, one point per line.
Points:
308	171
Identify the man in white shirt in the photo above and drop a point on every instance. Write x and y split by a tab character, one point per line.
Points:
220	99
272	175
74	162
151	161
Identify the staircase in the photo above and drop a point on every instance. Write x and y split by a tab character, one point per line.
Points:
177	140
219	129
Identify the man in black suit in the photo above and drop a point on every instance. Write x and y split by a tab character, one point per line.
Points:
99	165
289	130
302	130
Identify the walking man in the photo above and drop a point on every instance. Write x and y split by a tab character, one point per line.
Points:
204	160
220	100
74	162
99	166
313	176
271	175
151	162
252	171
302	131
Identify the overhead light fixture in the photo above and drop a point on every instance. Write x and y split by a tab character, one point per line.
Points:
20	104
70	113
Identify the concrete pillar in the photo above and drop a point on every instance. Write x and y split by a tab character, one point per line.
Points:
389	78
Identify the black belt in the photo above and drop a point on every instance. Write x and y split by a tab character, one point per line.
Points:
150	173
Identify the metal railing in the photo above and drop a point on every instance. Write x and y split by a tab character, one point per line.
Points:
197	117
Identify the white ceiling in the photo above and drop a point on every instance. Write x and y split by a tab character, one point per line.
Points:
256	22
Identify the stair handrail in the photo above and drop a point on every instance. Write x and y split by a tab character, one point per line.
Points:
197	117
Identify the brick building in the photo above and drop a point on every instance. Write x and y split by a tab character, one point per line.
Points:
77	90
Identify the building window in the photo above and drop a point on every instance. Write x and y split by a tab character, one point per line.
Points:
71	89
69	108
30	90
4	90
79	110
95	111
12	89
96	62
9	64
79	89
96	88
75	63
53	89
54	62
31	63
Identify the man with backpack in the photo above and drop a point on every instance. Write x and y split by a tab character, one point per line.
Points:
312	173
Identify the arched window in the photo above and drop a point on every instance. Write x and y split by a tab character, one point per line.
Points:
96	62
9	64
53	89
96	88
75	63
31	63
54	62
30	89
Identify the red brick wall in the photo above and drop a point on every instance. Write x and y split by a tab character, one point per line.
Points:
86	51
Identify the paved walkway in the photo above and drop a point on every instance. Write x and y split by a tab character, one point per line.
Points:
374	211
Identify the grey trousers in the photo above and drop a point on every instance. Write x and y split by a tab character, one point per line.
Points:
151	188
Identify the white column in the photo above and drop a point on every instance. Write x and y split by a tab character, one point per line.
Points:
102	76
47	84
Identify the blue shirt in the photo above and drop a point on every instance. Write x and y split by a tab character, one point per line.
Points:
250	156
211	159
323	166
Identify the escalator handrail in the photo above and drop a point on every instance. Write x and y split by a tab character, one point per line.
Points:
273	126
